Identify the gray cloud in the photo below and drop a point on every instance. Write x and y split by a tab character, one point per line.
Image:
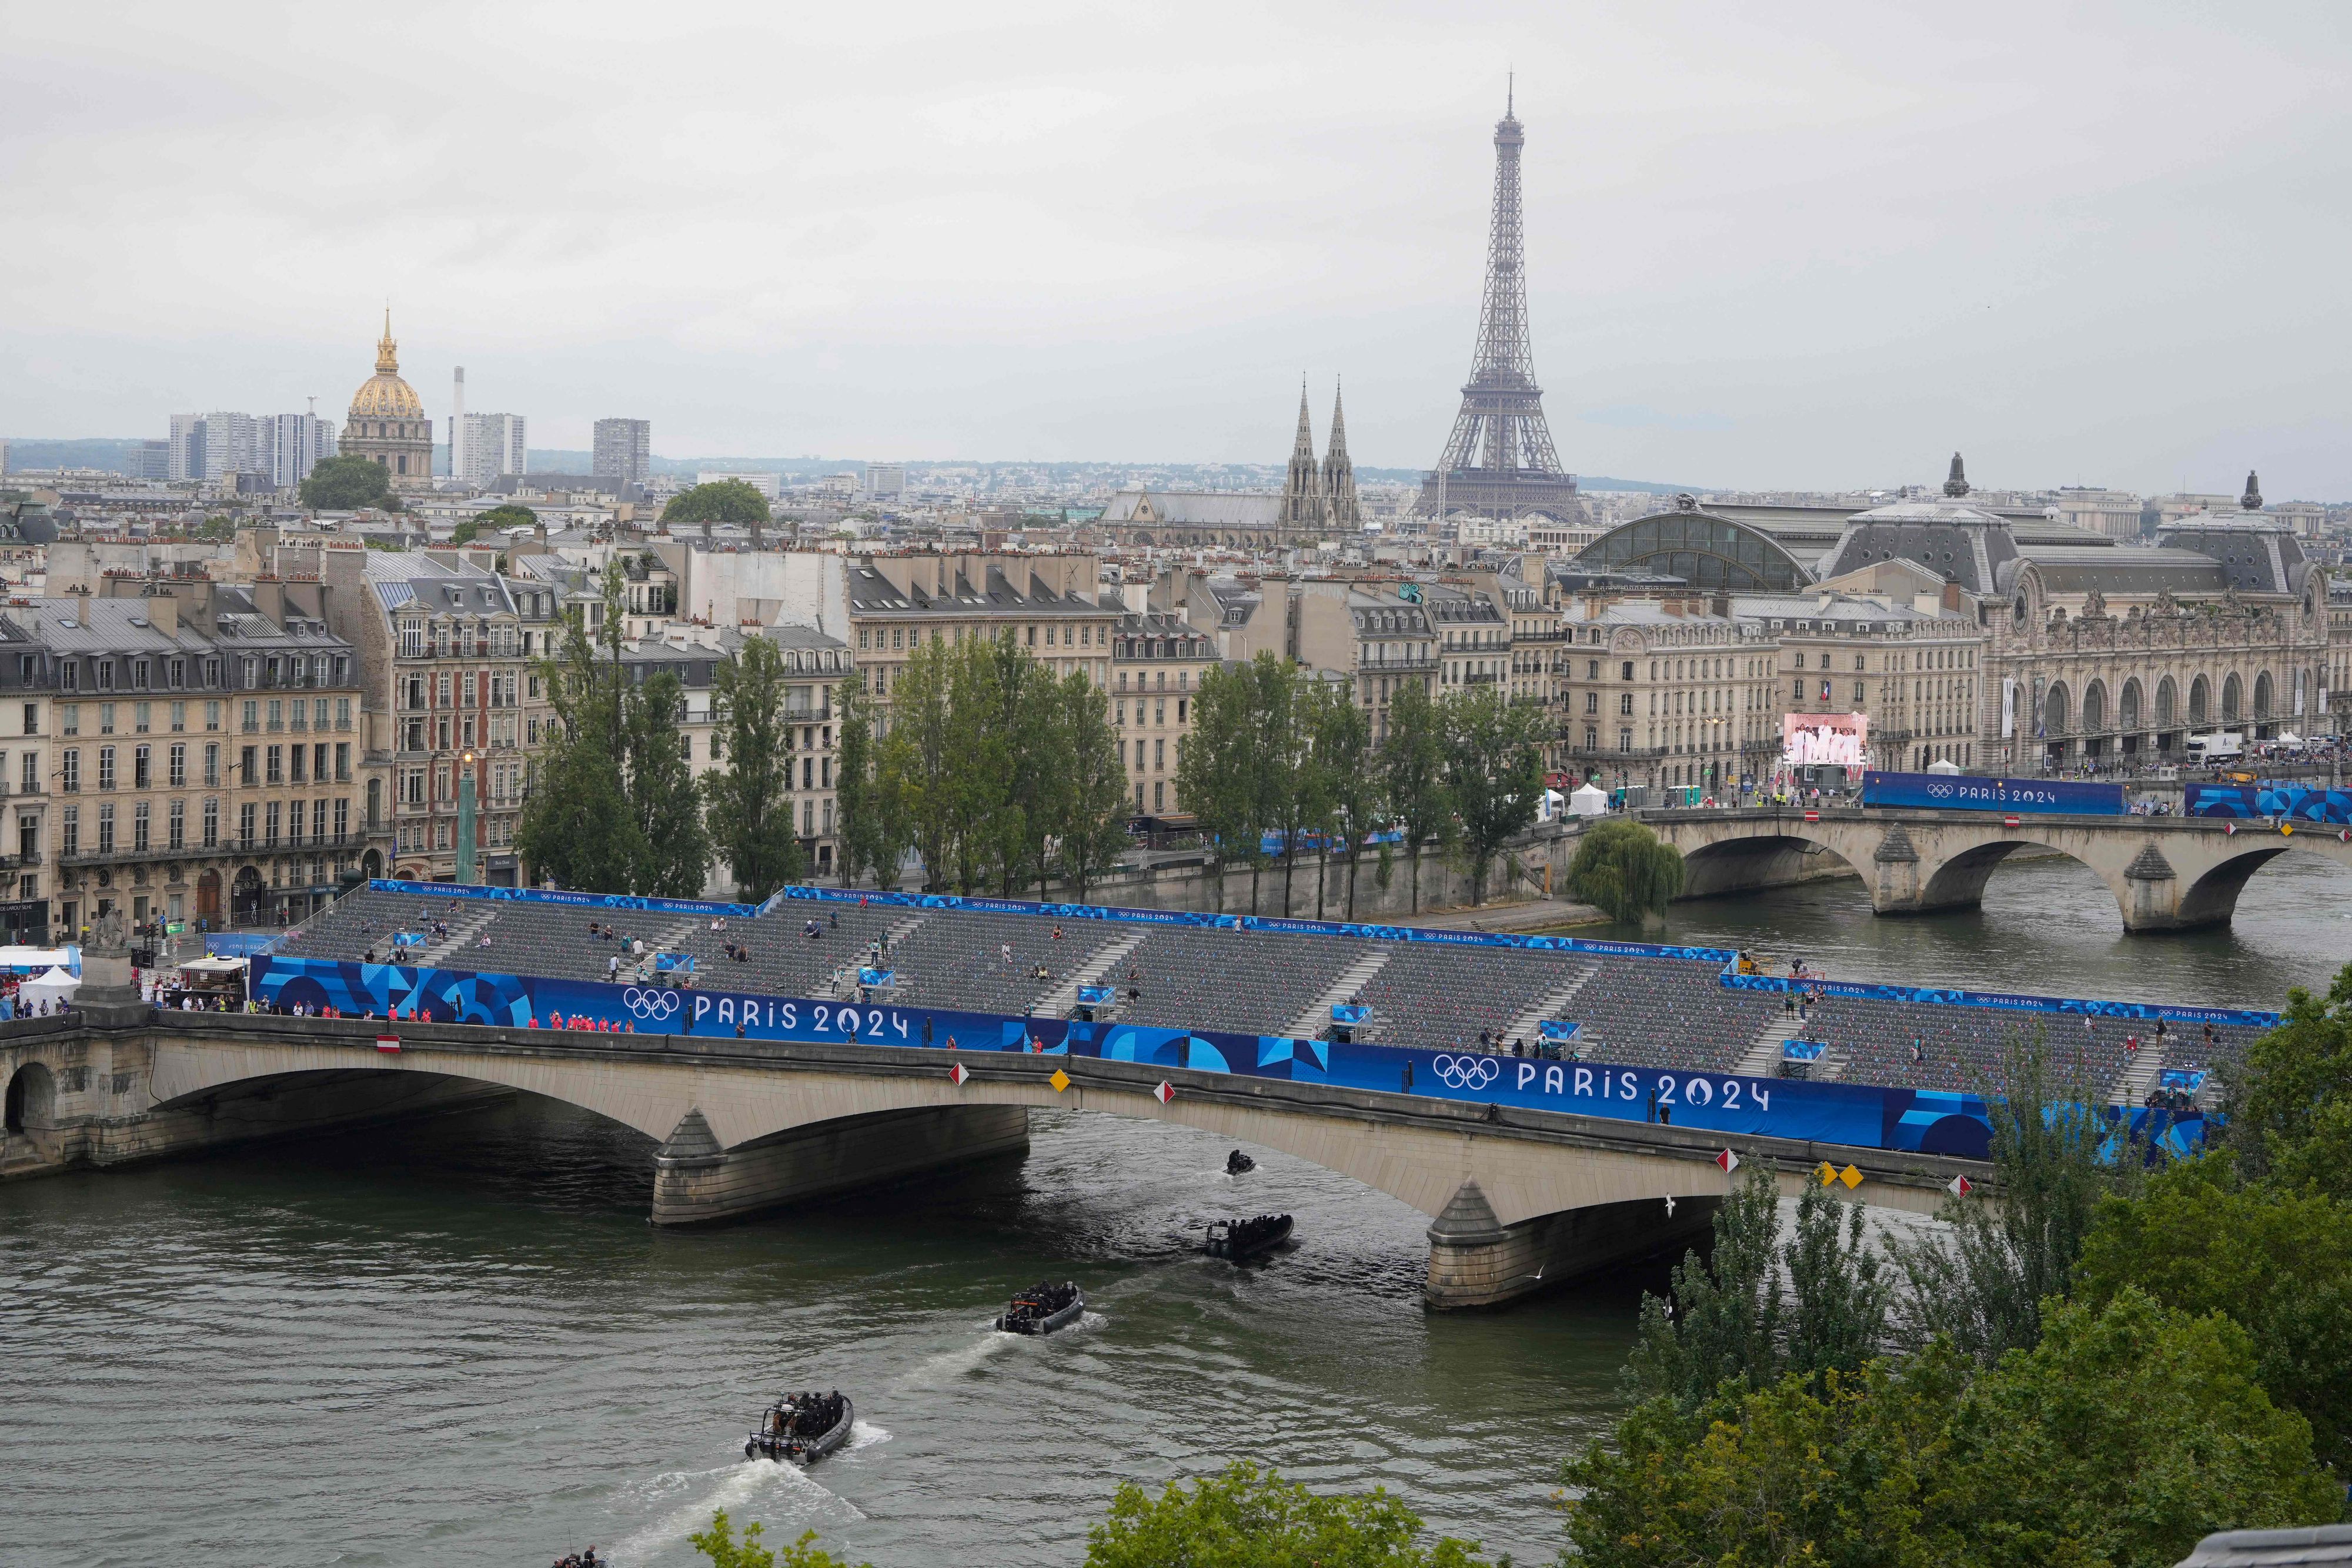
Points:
2085	243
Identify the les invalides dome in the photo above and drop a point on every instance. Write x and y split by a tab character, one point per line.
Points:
387	421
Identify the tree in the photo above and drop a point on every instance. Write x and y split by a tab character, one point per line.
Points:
2290	1112
1269	748
1302	797
2277	1263
1980	1281
1413	770
751	792
721	1548
868	836
1494	771
1351	780
1245	1518
1214	774
2122	1438
674	847
1745	1317
1624	869
577	824
347	483
723	501
497	519
919	757
1093	824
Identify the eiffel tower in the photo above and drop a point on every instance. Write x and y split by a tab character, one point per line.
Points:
1500	461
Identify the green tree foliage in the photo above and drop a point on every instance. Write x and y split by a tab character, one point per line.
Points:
1624	869
726	501
751	792
2122	1438
1216	768
1413	775
1981	1281
615	806
1747	1315
1093	802
1351	781
2278	1262
2290	1115
1494	771
1294	707
662	795
1245	1518
870	834
721	1547
491	522
347	483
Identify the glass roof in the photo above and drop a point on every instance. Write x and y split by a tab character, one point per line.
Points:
1704	550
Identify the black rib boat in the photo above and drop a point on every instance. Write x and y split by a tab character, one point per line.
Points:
1042	1307
1239	1241
800	1429
1239	1164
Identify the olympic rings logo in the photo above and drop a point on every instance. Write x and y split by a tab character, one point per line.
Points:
1466	1071
649	1005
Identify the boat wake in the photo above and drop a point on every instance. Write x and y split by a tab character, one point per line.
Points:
948	1365
863	1435
752	1489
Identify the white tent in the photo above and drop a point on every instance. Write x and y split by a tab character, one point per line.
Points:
52	988
1943	765
2290	738
1587	801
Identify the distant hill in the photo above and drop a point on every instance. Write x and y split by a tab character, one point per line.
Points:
104	453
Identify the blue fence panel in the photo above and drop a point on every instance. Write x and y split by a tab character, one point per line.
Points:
1932	996
2292	802
1959	792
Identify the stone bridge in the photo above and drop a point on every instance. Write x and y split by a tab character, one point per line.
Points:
2167	874
1517	1198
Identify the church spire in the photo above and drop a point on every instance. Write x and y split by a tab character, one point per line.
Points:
1304	504
1339	473
387	361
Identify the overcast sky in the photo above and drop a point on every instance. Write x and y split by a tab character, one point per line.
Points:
2084	244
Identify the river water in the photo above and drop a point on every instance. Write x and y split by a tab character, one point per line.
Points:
457	1341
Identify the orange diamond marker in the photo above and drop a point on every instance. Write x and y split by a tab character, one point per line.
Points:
1851	1176
1827	1172
1061	1080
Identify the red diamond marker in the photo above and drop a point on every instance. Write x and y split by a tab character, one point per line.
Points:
1959	1186
956	1074
1727	1161
1165	1092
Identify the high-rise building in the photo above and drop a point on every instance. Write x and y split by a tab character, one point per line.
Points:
186	453
147	460
769	485
229	446
885	481
1500	461
458	426
624	450
485	447
289	445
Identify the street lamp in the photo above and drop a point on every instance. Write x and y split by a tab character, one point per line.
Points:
466	868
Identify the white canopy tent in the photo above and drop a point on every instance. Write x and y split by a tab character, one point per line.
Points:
53	987
1588	800
1943	765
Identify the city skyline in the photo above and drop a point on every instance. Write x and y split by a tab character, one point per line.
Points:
1816	258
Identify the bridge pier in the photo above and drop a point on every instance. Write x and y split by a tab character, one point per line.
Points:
1476	1261
696	1182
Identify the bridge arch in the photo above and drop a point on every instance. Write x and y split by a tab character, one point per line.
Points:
1959	883
1741	864
32	1097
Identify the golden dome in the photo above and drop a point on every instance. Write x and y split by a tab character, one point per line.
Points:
384	396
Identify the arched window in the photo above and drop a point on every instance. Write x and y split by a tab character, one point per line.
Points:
2053	710
2095	708
2201	700
2232	694
2127	710
2165	700
2263	695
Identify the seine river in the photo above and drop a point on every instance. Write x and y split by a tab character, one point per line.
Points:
458	1340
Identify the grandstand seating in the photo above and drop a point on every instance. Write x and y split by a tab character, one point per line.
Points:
1641	1011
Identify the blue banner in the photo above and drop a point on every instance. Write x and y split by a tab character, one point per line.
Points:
1959	792
2291	802
2008	1001
1918	1120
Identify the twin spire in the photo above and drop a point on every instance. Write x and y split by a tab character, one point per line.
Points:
1321	496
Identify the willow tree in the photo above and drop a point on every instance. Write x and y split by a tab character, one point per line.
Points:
1625	870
